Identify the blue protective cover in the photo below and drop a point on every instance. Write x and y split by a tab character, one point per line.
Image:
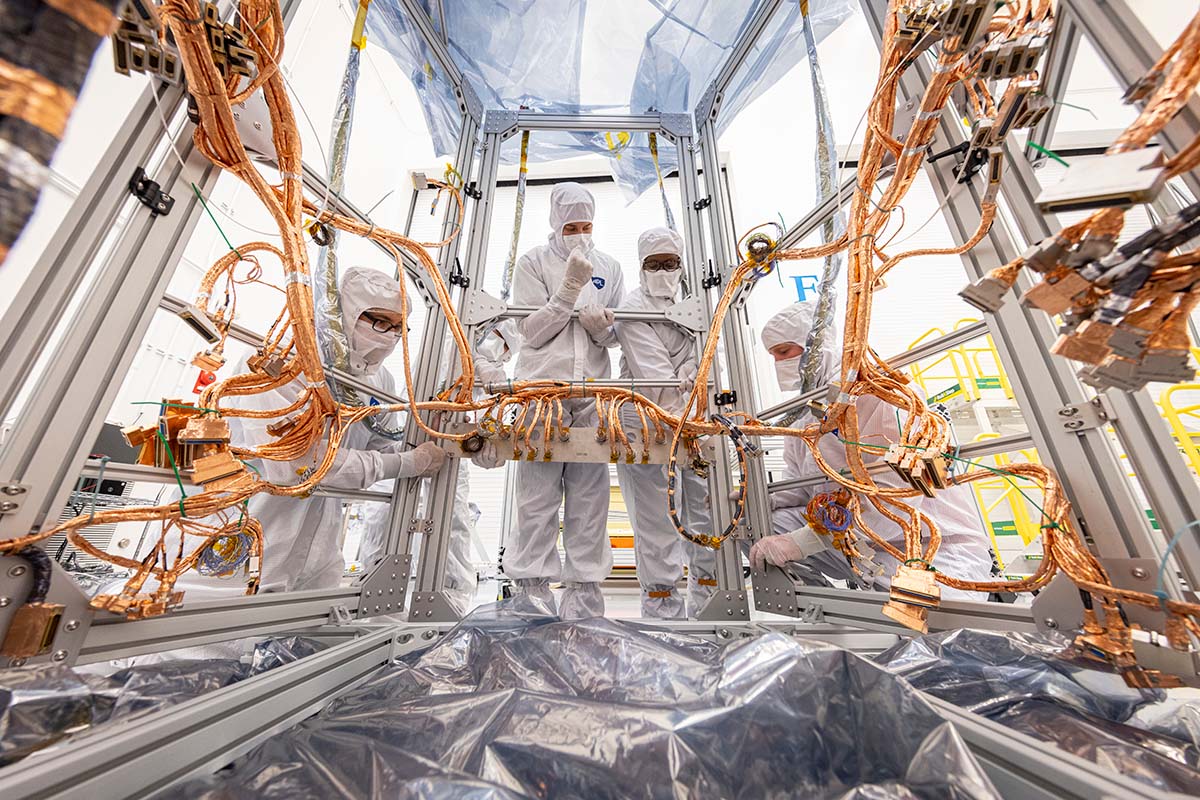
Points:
529	54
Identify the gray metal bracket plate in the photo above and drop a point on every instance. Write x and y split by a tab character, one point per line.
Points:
431	607
677	125
689	314
482	307
11	494
471	103
774	592
726	604
1080	417
384	589
499	120
16	579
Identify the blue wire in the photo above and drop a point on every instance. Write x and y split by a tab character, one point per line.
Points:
1159	592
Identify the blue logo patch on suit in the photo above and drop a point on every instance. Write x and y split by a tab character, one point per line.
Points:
598	282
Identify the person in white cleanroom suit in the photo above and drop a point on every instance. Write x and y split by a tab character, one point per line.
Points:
964	549
662	351
302	546
564	275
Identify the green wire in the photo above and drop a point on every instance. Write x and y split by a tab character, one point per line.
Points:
174	405
1049	153
174	466
220	230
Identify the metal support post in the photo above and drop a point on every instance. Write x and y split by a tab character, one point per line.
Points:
710	102
393	570
1104	505
68	402
429	602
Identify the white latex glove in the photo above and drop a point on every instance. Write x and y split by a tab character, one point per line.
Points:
579	272
596	319
687	377
782	548
425	460
488	457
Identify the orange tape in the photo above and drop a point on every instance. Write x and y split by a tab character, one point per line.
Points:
28	96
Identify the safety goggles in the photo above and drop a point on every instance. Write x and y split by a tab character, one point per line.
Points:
381	325
662	263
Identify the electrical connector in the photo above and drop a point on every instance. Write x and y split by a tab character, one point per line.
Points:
1088	344
986	294
1114	180
1113	373
964	23
1057	291
208	360
419	181
1046	254
1143	87
1166	366
200	322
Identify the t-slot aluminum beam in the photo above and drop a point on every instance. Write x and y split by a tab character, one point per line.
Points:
1129	50
428	602
407	517
1094	480
41	300
438	44
535	121
1055	75
710	102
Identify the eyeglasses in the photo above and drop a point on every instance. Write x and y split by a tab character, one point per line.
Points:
380	325
668	264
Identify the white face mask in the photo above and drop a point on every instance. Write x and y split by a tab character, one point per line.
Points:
663	283
371	345
787	373
581	240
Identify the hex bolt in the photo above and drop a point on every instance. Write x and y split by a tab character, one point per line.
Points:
743	612
59	655
428	635
19	569
1069	411
16	662
1139	573
72	624
7	506
1051	623
429	613
729	611
723	633
13	491
5	601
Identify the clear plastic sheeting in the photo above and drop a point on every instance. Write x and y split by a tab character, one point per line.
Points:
42	704
1034	684
513	703
529	54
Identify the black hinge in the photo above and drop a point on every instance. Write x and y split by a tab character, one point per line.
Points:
713	278
456	275
472	191
150	194
702	203
728	398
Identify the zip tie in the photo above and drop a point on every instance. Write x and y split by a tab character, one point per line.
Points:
844	398
315	384
295	276
295	175
940	67
929	114
202	299
912	151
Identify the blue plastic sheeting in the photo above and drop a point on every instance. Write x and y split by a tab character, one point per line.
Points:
529	54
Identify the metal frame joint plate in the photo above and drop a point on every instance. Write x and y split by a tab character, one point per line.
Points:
482	307
1080	417
384	589
690	314
499	120
675	124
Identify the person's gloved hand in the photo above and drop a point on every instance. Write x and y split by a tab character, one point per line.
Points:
687	376
425	460
488	457
579	272
782	548
596	319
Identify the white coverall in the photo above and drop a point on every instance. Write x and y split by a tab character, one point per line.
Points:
553	345
302	536
662	351
964	549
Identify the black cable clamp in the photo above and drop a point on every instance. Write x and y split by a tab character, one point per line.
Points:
713	278
702	203
320	233
457	278
150	194
727	398
473	191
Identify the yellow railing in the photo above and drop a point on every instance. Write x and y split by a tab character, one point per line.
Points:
963	371
1184	421
1001	503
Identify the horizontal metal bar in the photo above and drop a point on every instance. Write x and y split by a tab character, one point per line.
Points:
821	212
987	447
862	610
533	121
114	471
135	760
211	621
633	315
921	351
1031	769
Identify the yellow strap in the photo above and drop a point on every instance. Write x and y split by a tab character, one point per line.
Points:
706	581
666	593
358	38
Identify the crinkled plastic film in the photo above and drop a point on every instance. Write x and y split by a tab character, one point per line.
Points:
42	704
512	703
1033	684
